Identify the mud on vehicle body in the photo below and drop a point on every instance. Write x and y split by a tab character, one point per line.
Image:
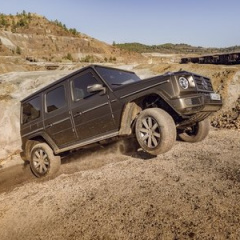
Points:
97	104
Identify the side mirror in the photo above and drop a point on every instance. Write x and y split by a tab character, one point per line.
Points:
96	88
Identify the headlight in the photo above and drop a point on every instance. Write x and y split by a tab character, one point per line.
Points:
183	82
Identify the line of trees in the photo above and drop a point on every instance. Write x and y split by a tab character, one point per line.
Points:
63	26
9	21
173	48
23	20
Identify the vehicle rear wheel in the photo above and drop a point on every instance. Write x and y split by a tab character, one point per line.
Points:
155	131
195	133
43	162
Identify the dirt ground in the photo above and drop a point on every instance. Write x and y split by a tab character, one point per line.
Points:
191	192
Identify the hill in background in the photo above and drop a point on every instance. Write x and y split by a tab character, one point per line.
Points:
28	37
35	38
170	48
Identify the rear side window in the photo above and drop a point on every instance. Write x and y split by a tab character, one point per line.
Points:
31	110
55	99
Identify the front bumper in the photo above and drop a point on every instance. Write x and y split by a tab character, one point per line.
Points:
196	103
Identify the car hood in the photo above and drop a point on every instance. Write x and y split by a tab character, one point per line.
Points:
142	87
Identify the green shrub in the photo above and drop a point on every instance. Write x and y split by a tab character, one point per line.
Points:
69	57
88	58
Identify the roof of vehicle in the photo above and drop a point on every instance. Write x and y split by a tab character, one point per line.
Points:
93	66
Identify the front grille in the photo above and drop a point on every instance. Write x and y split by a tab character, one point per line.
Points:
203	83
196	101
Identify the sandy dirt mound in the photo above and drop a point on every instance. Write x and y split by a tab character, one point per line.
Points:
191	192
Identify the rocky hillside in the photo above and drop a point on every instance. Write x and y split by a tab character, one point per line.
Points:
35	38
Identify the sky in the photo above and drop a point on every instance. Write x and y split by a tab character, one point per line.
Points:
205	23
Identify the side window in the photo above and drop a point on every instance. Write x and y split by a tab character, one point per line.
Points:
55	99
31	110
80	85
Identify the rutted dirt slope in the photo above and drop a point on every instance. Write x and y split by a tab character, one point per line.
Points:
191	192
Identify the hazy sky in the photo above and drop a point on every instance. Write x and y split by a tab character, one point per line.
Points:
207	23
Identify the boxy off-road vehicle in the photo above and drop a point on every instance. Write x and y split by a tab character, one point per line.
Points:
97	104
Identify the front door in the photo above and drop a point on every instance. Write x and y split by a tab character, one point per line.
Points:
91	111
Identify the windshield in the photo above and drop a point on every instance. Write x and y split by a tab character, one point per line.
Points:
116	78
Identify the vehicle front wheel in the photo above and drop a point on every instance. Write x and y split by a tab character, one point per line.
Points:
43	162
155	131
195	133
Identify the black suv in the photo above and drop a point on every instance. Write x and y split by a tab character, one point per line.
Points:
97	104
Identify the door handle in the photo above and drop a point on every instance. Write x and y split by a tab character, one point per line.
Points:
49	125
77	114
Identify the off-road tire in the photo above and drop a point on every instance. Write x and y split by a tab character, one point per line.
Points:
155	131
43	162
196	133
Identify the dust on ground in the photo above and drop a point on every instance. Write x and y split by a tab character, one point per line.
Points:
191	192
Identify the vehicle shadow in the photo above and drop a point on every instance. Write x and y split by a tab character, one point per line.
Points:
139	154
130	147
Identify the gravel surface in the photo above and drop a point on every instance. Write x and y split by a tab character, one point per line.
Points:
191	192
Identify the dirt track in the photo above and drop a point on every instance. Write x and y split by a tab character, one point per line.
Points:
191	192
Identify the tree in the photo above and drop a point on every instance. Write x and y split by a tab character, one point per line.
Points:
22	22
73	31
3	21
29	16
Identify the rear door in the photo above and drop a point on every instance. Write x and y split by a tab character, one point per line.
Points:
91	112
57	120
